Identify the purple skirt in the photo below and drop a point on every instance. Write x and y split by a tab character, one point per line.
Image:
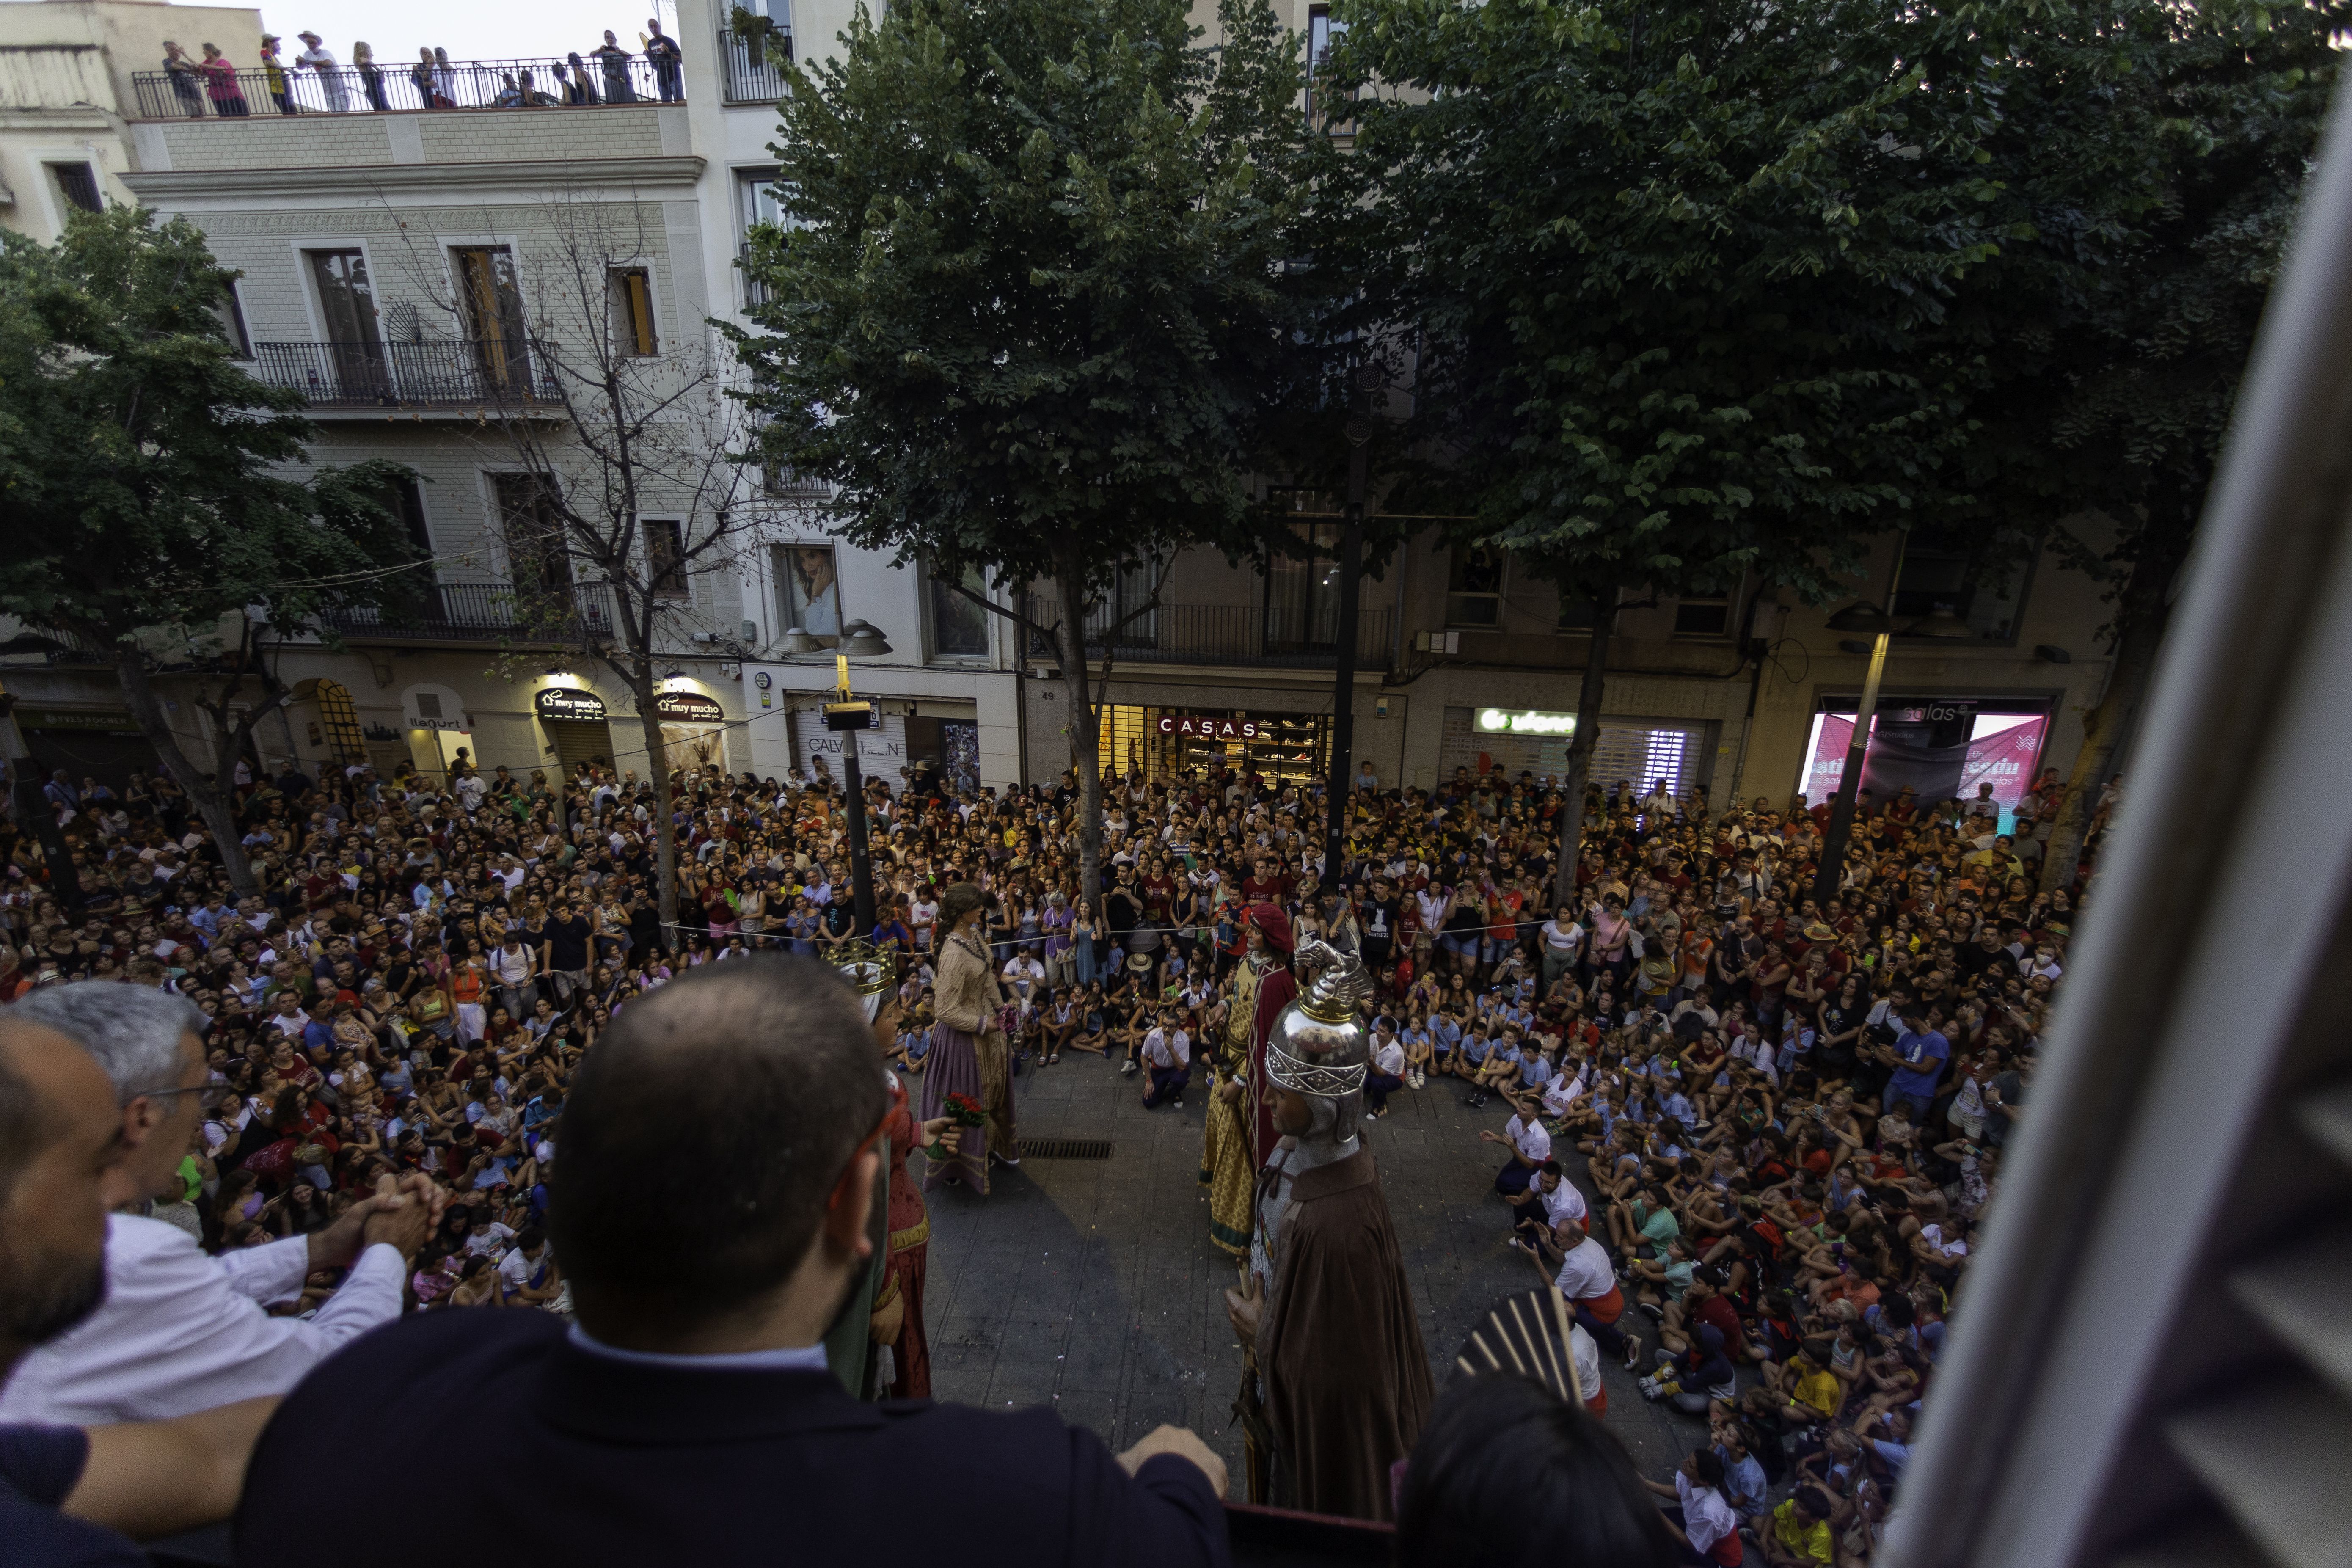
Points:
953	1067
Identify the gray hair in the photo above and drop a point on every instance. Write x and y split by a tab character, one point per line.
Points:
134	1032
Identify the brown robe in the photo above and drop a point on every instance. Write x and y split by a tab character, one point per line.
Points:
1347	1378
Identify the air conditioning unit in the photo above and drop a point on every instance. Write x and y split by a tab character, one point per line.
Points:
1437	642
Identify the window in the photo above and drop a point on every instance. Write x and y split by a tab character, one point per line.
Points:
1473	587
665	554
1947	572
493	309
1302	592
631	302
1322	32
78	183
959	627
1138	626
765	199
346	298
537	564
808	591
1702	618
404	500
231	311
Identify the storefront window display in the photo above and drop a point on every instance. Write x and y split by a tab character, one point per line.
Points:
1164	742
1944	748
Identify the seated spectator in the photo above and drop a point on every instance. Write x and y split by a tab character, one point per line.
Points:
693	1374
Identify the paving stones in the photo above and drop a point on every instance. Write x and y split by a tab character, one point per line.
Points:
1091	1285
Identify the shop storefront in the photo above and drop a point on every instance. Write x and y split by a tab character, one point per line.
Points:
1943	747
577	726
1515	741
101	743
693	728
1167	742
881	752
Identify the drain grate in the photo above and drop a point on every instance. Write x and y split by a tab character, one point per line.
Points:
1065	1148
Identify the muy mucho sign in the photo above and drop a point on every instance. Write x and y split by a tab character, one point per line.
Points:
568	703
689	708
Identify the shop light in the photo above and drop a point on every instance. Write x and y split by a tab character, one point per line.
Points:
1524	722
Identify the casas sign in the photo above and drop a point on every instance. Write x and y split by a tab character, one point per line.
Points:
1208	729
689	708
569	703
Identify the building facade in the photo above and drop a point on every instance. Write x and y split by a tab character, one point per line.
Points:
392	235
389	235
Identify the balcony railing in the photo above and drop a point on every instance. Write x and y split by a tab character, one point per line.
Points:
486	612
356	90
1224	634
753	70
755	291
444	374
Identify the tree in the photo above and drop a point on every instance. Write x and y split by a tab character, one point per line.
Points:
147	492
1670	267
633	506
2151	158
1031	312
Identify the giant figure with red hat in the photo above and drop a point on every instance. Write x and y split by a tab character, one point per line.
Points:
1240	1133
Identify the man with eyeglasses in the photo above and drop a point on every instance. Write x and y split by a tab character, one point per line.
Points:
182	1332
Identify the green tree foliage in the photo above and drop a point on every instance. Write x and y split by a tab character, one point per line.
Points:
148	483
1670	266
1032	313
2151	157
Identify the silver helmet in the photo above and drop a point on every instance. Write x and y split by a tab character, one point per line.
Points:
1318	1047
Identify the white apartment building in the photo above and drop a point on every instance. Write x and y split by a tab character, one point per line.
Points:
389	231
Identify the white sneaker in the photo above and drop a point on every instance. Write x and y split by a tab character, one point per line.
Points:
1127	1068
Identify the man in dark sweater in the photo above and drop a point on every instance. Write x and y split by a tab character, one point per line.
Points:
717	1204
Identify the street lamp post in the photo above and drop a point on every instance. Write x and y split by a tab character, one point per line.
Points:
1366	381
1857	617
1863	618
846	716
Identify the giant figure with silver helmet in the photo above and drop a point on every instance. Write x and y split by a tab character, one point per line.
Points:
1336	1379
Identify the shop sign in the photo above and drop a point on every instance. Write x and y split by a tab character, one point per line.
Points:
1522	722
103	720
689	708
1208	728
569	703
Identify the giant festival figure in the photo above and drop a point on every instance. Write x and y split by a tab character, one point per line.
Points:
1336	1380
1239	1132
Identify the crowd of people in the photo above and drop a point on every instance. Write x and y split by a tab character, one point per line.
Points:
1749	1136
312	80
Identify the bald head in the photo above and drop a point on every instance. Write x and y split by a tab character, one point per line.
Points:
701	1140
60	1140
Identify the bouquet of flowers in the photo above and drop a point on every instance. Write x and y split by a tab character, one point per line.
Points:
964	1111
1008	1018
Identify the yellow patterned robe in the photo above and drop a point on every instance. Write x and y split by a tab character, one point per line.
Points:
1227	1145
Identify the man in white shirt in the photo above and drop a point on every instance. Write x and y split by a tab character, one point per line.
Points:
1023	974
1530	1146
181	1332
1167	1062
1707	1524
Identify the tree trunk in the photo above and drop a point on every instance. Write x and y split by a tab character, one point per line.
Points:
212	801
1579	754
2141	616
1085	732
641	684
